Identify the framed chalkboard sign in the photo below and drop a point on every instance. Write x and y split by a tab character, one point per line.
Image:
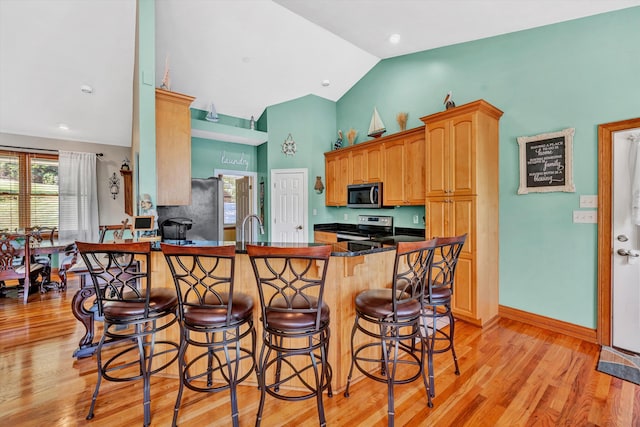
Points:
546	162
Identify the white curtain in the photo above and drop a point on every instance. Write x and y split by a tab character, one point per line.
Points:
78	189
634	158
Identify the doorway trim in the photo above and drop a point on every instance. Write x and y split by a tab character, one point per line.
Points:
605	182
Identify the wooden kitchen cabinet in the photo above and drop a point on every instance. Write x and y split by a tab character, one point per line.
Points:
173	148
396	160
462	189
337	172
366	163
325	237
404	170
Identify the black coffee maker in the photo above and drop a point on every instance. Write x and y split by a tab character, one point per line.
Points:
175	228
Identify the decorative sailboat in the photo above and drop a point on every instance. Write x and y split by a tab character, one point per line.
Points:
376	128
212	116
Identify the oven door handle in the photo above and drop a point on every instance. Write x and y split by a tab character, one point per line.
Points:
347	237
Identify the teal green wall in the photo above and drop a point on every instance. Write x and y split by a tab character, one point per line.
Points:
147	98
576	74
311	121
207	155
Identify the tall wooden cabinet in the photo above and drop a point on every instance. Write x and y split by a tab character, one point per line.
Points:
173	148
462	190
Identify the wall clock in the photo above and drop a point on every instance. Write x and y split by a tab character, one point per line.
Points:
289	146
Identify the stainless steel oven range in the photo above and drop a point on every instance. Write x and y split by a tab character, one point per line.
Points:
369	227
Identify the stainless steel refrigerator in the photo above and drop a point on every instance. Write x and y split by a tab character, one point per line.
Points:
205	211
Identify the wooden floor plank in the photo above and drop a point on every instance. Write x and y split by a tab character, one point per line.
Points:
511	374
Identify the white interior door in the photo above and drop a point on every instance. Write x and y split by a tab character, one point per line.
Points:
625	261
289	213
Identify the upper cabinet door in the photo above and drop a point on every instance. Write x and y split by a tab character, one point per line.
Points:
462	165
437	159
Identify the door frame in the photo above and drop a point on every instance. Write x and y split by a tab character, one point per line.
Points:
605	183
253	193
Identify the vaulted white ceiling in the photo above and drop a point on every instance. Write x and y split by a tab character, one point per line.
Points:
241	55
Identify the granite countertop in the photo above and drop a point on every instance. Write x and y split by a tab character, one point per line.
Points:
340	249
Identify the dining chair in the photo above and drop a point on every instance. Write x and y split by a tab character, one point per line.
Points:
38	235
15	262
215	321
387	324
134	312
295	323
437	303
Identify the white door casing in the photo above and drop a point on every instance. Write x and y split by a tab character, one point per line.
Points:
289	201
250	200
625	256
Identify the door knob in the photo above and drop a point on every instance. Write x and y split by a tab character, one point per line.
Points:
299	227
623	252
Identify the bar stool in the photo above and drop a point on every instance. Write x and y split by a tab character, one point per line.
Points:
391	319
437	302
214	320
295	320
133	313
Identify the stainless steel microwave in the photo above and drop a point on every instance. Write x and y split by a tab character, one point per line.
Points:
365	195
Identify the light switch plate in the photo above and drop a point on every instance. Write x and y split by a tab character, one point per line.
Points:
416	219
588	201
585	217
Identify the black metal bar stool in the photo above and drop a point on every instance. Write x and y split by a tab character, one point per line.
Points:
214	321
437	302
134	312
295	322
391	319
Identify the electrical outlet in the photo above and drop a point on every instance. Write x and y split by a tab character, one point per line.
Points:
346	217
416	219
315	212
588	201
585	217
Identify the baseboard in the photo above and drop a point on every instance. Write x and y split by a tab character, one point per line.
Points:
570	329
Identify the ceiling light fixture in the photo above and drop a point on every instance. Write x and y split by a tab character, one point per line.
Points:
394	38
86	89
63	126
326	83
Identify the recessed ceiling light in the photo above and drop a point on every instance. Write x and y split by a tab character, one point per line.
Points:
86	89
63	126
326	83
394	38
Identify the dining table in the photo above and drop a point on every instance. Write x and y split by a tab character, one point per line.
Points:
43	247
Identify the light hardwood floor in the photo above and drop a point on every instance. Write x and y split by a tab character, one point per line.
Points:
511	374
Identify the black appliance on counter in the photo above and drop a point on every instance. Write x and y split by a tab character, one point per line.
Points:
362	196
369	227
203	219
175	228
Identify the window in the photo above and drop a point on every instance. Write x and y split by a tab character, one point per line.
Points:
28	190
